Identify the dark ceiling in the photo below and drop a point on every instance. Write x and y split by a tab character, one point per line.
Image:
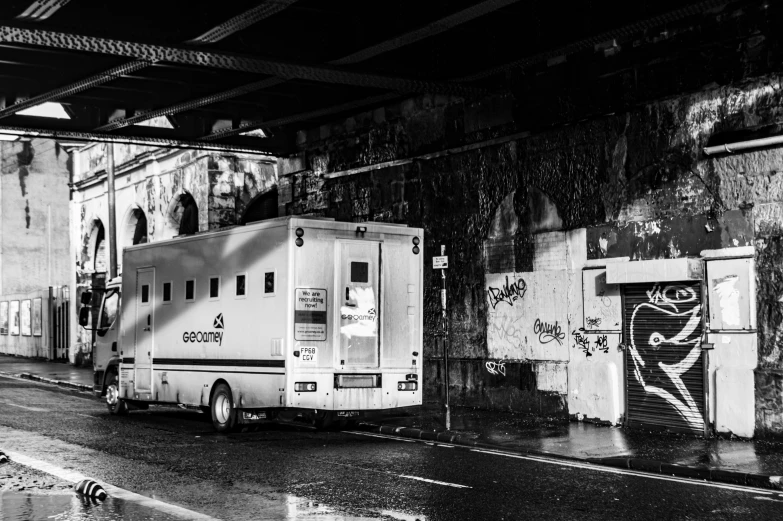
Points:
219	69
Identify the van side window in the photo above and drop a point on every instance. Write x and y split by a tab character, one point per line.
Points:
269	282
167	292
145	293
240	288
190	290
214	287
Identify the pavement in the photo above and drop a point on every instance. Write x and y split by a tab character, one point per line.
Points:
755	462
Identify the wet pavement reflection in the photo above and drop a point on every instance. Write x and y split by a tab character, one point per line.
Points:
21	506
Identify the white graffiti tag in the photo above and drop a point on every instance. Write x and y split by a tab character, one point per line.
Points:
496	368
643	347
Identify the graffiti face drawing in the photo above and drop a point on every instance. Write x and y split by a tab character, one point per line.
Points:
669	319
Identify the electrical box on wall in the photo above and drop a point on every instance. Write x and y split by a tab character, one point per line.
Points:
602	301
731	286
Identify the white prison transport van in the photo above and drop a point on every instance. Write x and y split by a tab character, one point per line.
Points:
289	319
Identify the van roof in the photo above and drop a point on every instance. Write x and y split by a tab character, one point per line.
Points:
291	221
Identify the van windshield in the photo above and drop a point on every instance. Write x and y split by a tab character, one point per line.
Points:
109	308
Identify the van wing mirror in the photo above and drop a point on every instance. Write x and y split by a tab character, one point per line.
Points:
86	299
84	317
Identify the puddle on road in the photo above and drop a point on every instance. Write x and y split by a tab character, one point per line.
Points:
19	506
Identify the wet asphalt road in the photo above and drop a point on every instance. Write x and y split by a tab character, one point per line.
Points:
282	472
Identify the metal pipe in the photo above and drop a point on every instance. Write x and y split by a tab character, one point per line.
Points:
112	219
730	148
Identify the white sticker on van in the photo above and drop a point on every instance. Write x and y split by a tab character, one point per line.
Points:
310	314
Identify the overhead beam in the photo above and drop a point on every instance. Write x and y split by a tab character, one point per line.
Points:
221	60
391	44
75	88
427	31
242	21
304	116
189	105
71	135
256	14
41	10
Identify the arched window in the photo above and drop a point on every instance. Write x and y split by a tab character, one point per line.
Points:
263	206
182	216
96	248
135	228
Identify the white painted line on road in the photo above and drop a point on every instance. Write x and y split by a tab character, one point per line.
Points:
629	472
592	466
768	499
34	409
384	436
455	485
121	493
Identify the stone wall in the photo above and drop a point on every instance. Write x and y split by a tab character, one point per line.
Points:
636	183
34	199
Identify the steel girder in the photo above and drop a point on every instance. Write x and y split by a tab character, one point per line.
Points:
41	10
113	138
221	60
252	125
76	87
242	21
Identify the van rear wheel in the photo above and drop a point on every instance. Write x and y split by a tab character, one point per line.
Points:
224	415
116	405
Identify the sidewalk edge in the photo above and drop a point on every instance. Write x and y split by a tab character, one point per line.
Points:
60	383
730	477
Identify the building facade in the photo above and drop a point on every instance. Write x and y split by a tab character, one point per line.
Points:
155	191
34	244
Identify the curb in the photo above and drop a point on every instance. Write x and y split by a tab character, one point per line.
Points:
731	477
36	378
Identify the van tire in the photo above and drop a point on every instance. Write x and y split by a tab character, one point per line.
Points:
224	415
120	407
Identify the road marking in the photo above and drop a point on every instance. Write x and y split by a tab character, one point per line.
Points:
593	466
455	485
768	499
384	436
34	409
629	472
127	495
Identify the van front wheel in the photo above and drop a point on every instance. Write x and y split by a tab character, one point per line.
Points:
224	416
115	404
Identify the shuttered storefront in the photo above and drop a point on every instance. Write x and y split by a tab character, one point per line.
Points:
664	361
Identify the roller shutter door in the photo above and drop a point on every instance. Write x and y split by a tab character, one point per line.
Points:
664	362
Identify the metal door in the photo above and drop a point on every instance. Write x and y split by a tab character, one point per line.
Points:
664	362
145	297
359	301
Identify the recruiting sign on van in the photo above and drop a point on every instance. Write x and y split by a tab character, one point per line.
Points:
310	314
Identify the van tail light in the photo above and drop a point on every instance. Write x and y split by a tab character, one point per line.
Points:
305	387
407	386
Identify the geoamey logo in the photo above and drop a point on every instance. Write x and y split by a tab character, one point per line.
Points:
369	316
206	337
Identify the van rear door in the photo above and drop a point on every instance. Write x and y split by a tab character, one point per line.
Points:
359	302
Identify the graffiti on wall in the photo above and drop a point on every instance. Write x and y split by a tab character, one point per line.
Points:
548	332
496	368
588	343
507	293
527	319
675	308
